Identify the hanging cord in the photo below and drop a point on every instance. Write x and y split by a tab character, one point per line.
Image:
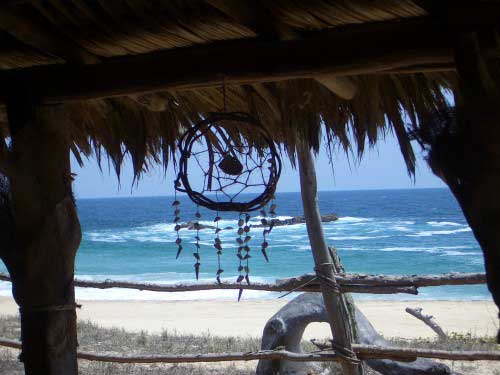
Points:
197	244
239	253
218	242
246	241
218	246
265	232
177	218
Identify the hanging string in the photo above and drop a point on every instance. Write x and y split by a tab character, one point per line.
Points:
218	244
177	219
241	277
197	244
265	232
246	241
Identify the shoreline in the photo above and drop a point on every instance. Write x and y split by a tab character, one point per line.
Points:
248	317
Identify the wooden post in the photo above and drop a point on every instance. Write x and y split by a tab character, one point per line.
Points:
335	306
477	184
46	236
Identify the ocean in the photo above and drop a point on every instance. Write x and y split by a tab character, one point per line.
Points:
415	231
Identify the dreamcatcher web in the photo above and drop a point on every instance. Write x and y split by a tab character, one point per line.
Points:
228	162
229	159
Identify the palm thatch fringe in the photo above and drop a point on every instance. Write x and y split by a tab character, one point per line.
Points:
291	111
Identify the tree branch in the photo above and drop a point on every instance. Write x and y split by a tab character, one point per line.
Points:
428	320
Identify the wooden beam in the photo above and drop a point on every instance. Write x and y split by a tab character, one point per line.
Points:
364	49
256	17
41	36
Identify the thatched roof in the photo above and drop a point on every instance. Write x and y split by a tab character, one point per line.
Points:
294	105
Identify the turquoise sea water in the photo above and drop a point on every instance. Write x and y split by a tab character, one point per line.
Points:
382	231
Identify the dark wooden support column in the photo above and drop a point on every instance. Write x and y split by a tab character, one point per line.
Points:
325	268
464	150
478	122
46	236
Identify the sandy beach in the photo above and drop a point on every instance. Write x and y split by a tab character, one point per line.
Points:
247	318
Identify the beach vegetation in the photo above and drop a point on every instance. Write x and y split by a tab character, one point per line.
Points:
94	338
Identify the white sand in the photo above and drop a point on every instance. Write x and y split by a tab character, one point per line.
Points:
247	318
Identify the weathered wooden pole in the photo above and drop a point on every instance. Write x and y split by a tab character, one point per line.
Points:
325	270
46	235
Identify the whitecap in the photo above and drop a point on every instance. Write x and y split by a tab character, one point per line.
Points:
152	239
407	222
438	232
352	219
301	248
222	223
281	217
455	253
443	224
433	249
355	238
297	236
401	228
409	249
105	237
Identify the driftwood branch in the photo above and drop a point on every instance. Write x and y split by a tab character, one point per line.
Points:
428	320
362	351
400	280
291	286
349	283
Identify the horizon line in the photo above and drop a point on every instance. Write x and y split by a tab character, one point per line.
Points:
278	192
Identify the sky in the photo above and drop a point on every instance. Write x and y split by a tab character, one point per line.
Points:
380	168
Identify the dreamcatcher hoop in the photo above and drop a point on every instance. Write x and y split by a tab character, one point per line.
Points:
215	132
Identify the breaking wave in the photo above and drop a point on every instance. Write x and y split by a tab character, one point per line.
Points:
439	232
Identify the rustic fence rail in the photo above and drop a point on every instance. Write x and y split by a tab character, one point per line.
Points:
352	283
363	352
349	283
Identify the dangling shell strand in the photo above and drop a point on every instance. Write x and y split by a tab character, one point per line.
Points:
177	227
197	243
218	246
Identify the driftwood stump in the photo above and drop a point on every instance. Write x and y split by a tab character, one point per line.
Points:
287	326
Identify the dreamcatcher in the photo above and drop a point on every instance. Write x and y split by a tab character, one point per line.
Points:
237	168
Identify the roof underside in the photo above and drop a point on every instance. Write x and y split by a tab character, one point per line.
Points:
259	48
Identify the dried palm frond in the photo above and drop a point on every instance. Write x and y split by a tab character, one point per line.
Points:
291	111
